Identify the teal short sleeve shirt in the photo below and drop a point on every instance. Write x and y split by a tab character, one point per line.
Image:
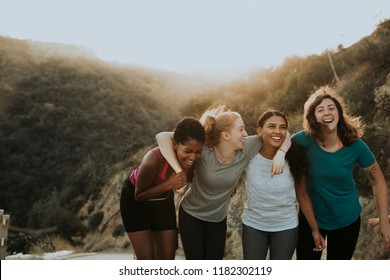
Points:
330	181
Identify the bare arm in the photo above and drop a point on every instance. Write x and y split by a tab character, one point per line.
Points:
278	160
149	170
379	186
165	143
307	209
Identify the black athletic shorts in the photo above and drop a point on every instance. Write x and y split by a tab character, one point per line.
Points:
154	215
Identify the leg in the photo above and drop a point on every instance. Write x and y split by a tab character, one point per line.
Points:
254	243
164	228
191	233
214	240
137	226
342	242
165	244
305	241
142	242
283	243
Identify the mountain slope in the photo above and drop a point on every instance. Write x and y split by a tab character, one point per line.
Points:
72	127
65	120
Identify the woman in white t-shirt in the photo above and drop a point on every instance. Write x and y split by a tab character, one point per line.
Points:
270	217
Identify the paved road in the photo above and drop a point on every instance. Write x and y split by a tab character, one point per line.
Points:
101	256
105	256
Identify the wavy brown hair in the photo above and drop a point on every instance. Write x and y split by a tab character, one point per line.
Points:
349	128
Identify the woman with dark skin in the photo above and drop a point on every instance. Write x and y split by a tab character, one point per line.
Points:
147	198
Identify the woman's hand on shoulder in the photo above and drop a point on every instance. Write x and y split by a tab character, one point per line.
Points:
278	162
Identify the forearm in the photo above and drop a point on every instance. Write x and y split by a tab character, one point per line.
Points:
307	210
381	197
286	143
380	191
305	205
153	192
278	161
165	143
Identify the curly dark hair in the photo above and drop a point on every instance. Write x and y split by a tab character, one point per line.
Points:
187	129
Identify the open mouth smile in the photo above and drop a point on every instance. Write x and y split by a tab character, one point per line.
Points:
327	120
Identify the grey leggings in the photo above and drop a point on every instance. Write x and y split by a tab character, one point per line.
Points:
255	243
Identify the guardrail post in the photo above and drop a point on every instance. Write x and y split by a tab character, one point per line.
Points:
4	225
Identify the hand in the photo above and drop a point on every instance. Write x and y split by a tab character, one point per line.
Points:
319	240
178	180
373	222
180	191
384	234
278	163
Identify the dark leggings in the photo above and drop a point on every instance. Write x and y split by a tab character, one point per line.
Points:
341	242
202	240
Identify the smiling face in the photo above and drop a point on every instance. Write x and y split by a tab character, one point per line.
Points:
188	152
327	115
273	132
237	134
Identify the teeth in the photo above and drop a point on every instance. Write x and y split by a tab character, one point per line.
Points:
276	137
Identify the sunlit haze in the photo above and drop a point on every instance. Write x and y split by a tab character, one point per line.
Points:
193	35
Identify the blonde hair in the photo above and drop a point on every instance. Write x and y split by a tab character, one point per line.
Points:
217	120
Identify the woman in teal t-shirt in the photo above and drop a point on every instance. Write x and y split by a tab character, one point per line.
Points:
333	145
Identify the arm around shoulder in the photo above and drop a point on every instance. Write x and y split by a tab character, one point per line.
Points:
165	143
279	159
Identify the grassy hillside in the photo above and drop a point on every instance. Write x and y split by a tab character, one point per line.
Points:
66	118
361	73
362	81
71	127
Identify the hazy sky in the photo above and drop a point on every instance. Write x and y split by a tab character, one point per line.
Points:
195	35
